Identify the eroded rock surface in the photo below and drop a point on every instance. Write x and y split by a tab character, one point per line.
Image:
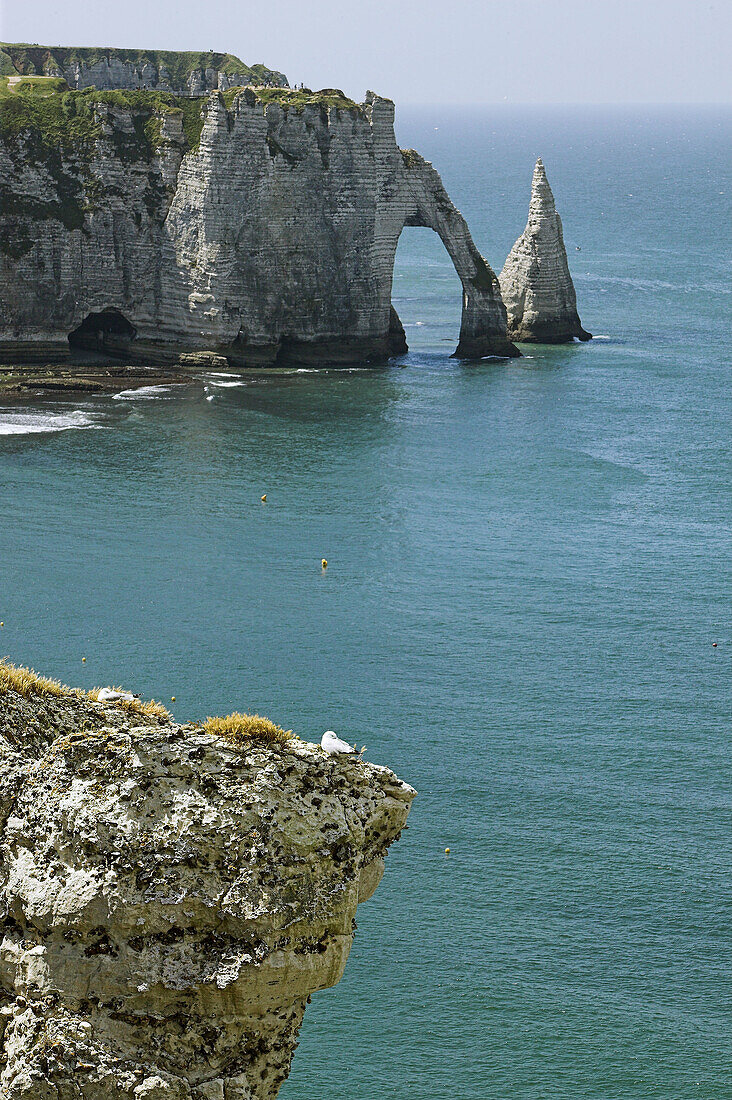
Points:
170	902
259	226
536	285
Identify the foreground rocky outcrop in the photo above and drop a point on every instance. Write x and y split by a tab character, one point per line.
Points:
170	899
536	285
254	226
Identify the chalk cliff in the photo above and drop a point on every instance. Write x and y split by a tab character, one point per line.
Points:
252	226
189	74
170	900
536	285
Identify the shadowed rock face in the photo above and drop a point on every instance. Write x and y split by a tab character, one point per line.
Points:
536	285
269	238
170	902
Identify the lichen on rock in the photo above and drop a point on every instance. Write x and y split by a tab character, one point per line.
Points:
170	899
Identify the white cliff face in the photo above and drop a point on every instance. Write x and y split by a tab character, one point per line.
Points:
536	285
113	73
169	902
272	240
188	74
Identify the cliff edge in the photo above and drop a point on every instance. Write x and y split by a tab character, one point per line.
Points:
184	73
536	285
171	896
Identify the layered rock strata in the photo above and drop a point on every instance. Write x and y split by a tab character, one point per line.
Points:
169	901
536	285
260	226
189	74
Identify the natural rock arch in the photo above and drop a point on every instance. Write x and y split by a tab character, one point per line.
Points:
273	239
427	204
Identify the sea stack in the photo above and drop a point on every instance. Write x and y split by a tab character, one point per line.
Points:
536	285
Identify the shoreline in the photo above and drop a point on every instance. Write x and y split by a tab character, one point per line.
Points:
47	380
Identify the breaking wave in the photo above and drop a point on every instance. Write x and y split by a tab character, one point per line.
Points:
36	423
144	392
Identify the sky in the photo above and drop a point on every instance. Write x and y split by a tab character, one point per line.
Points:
427	51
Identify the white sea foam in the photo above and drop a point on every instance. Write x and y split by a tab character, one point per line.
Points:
601	337
226	385
22	422
144	392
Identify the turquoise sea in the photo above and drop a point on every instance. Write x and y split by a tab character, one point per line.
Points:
529	562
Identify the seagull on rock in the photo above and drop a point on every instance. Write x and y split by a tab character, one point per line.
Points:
331	743
109	695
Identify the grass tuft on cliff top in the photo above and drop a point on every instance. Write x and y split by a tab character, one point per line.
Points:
27	682
150	708
241	730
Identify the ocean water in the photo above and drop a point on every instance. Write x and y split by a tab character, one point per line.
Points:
528	565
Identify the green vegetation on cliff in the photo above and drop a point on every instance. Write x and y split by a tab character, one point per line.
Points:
62	130
24	59
49	117
7	68
49	125
411	158
296	98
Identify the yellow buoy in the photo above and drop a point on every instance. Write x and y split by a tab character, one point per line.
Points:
324	563
264	498
83	659
447	851
172	698
2	624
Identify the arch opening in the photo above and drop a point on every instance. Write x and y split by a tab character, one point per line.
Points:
426	291
107	332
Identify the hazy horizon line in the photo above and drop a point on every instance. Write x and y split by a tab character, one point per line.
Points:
562	103
426	103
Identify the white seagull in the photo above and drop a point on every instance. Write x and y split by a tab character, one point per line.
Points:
109	695
334	746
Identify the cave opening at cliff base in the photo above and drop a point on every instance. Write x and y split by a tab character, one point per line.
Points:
107	332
